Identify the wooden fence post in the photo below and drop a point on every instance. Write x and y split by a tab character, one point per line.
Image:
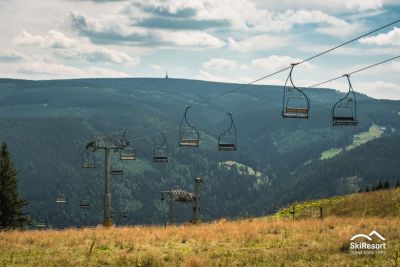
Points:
293	211
320	213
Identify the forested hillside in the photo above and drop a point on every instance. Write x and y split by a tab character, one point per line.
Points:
46	124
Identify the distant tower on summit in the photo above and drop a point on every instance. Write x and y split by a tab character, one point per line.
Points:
166	75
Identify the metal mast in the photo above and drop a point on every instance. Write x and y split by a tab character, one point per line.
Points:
197	200
114	142
185	197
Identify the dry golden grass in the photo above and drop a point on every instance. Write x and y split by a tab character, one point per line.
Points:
265	241
256	242
377	203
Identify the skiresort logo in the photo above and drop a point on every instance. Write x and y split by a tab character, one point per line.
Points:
368	246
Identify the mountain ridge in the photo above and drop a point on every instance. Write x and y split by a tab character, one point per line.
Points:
46	124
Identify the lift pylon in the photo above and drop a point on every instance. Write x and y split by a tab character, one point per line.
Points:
108	143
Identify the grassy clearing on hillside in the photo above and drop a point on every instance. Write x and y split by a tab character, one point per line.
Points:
381	203
359	139
243	169
330	153
268	241
364	137
257	242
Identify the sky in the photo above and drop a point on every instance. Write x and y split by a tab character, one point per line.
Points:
233	41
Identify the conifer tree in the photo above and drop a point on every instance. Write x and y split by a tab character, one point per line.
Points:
386	184
11	205
379	186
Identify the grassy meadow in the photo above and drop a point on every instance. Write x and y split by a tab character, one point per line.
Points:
266	241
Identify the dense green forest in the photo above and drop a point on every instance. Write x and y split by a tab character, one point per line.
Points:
46	124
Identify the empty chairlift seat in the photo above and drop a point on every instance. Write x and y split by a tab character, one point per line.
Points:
61	198
41	224
188	135
160	153
227	141
84	204
117	168
296	104
89	160
128	153
344	112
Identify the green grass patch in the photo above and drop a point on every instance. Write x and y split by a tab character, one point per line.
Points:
299	207
359	139
328	154
362	138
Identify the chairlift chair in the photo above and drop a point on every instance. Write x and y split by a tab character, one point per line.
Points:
85	204
160	153
296	104
344	112
117	168
41	224
61	198
89	160
188	135
127	153
227	141
120	214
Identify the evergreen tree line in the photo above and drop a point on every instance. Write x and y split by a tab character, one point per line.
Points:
380	186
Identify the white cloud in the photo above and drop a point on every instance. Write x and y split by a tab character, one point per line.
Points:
95	54
248	17
245	15
222	64
50	69
25	38
55	70
121	28
204	75
305	17
258	65
155	66
239	15
72	48
380	89
174	6
355	51
327	6
111	25
363	5
389	69
10	55
274	63
271	81
390	38
189	38
57	39
259	42
53	39
342	30
396	65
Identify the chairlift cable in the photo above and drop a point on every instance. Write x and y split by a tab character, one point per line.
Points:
350	41
172	129
353	72
176	128
279	71
303	61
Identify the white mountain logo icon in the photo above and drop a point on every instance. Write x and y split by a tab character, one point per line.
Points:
369	236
